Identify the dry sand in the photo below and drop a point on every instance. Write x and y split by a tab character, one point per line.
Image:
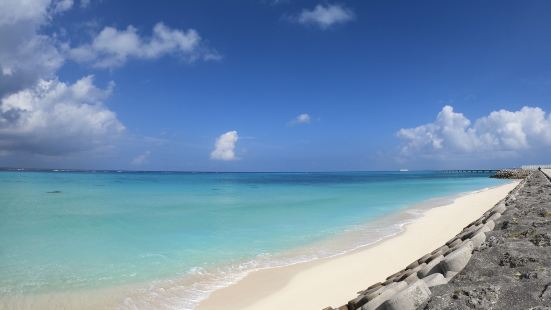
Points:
334	281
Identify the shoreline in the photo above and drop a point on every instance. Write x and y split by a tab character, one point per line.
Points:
164	292
335	279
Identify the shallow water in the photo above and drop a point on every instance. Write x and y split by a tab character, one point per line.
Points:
190	233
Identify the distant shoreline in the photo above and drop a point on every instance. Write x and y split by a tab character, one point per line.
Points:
68	170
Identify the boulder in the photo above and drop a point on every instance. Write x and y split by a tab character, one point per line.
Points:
435	279
409	298
499	208
455	243
493	217
431	267
458	259
387	293
490	224
478	239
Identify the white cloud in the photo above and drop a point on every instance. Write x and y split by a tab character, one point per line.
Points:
55	118
41	115
113	47
303	118
224	147
141	159
38	113
31	11
84	3
63	5
325	16
501	131
25	54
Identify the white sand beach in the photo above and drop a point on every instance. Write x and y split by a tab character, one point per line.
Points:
334	281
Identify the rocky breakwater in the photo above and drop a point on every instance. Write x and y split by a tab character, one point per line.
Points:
512	268
511	174
413	287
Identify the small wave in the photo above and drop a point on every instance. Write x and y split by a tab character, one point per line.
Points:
198	283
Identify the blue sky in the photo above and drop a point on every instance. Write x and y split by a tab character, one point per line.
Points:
274	85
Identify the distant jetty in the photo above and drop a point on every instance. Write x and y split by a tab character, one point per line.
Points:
500	261
511	174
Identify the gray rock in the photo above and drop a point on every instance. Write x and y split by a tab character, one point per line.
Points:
409	298
493	217
431	267
490	224
512	268
499	208
458	259
386	293
455	242
435	279
478	240
413	265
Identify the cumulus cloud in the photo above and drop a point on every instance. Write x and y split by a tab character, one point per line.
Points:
501	131
325	16
41	115
112	47
25	54
303	118
13	11
224	147
55	118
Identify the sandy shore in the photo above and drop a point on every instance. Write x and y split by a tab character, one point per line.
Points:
334	281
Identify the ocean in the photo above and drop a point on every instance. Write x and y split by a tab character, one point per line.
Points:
168	239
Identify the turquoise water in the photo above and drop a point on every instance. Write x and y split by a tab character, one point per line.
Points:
65	231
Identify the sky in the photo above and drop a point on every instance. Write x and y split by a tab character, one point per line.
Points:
274	85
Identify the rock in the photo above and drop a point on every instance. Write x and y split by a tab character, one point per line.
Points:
490	224
458	259
387	293
435	279
424	258
511	174
543	239
409	298
493	217
546	293
450	274
478	239
499	208
479	298
357	302
374	293
441	250
413	265
454	243
512	268
376	285
514	260
412	278
431	267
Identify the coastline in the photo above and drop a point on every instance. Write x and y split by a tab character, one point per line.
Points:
186	291
334	280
